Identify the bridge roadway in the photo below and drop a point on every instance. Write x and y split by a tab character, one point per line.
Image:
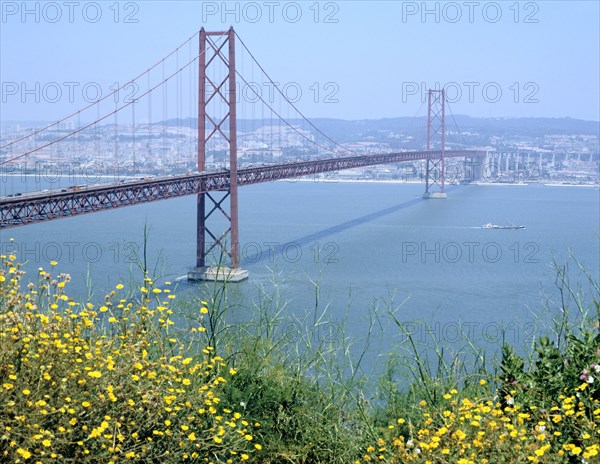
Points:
45	206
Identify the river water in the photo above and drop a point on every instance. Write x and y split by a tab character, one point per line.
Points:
362	244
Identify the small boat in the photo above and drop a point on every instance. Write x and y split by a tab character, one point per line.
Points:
489	225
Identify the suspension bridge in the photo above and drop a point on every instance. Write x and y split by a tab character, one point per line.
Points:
217	84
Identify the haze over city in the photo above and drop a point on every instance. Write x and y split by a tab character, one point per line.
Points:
349	60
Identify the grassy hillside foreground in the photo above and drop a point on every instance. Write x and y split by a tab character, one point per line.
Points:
122	381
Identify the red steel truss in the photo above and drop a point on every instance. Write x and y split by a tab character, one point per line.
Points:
436	130
211	89
46	206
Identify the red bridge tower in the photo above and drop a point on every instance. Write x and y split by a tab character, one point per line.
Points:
436	132
217	107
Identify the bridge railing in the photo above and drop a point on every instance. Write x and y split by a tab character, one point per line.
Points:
45	206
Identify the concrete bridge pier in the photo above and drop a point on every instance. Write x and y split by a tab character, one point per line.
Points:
435	195
218	273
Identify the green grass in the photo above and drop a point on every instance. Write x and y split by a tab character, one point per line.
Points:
145	377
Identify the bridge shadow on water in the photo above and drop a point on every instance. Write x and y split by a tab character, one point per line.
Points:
278	250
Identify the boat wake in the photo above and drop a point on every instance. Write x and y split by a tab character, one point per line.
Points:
489	225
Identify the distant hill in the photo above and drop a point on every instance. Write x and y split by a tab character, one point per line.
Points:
347	130
343	130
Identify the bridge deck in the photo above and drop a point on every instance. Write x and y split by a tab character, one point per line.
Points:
46	206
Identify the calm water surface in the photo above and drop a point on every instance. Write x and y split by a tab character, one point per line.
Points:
366	244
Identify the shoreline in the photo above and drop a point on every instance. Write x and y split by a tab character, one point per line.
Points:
320	180
500	184
572	185
413	182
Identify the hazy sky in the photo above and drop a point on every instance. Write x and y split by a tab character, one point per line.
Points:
367	59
